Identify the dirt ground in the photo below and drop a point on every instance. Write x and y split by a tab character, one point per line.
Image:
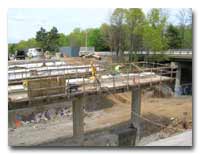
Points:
167	115
79	60
170	115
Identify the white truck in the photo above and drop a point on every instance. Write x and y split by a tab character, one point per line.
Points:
34	52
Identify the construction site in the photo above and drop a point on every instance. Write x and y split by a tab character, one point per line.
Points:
92	101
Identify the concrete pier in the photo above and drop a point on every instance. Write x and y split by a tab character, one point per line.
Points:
178	80
136	108
78	117
11	119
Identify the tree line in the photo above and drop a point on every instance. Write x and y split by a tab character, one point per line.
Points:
128	30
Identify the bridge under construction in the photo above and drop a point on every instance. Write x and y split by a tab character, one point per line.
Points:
36	83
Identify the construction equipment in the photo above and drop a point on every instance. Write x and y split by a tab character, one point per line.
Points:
91	55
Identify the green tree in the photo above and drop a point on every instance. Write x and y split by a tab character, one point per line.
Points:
76	38
119	30
185	25
173	37
107	35
23	45
48	40
135	20
12	47
95	38
63	40
187	37
154	39
41	37
53	40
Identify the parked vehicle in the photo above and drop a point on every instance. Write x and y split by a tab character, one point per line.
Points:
86	51
72	87
35	52
20	54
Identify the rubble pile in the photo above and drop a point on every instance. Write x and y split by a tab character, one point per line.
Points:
37	117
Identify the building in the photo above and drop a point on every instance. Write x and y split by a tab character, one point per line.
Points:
69	51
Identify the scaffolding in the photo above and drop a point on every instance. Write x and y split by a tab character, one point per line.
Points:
132	74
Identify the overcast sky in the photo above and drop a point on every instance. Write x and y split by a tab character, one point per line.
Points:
24	23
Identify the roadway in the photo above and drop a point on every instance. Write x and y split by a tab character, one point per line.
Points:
183	139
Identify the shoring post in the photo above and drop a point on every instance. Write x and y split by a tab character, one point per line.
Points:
127	79
160	83
151	77
47	91
83	85
114	82
171	75
68	90
76	72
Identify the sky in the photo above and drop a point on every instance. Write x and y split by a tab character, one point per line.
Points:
24	23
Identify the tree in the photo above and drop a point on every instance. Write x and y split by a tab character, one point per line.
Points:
63	40
185	22
76	38
173	37
135	19
154	40
41	37
118	29
48	40
187	37
53	40
95	38
12	48
107	35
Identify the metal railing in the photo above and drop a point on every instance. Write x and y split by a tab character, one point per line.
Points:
167	52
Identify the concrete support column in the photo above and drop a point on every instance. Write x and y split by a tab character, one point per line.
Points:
136	108
11	119
178	80
78	117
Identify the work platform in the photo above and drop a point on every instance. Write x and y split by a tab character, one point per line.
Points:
109	85
106	82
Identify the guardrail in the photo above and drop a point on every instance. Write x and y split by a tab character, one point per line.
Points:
168	52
